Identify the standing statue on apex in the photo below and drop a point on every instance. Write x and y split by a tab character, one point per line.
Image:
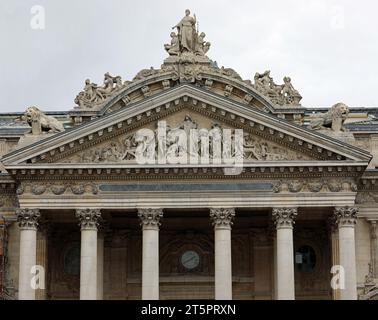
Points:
187	32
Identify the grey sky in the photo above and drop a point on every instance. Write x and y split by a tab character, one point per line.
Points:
329	48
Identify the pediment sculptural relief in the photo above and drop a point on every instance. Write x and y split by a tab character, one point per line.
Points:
187	141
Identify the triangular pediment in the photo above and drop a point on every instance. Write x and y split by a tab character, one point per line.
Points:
271	139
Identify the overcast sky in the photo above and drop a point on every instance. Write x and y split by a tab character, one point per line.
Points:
329	48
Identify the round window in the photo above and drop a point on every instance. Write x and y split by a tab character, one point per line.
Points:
72	261
305	259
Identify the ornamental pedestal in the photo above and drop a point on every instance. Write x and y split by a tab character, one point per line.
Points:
88	219
222	222
346	218
150	222
28	223
284	221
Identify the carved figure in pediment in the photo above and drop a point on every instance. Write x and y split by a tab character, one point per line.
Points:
130	148
249	148
188	124
333	119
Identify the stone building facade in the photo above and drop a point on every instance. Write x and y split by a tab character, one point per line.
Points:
189	182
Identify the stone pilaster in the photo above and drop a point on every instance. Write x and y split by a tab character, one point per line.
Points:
222	221
89	220
150	222
374	247
28	223
346	218
284	222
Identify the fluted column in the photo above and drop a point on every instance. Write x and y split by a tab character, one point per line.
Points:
88	219
222	222
28	222
284	221
346	218
150	222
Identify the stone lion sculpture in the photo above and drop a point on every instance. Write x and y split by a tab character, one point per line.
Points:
333	119
41	122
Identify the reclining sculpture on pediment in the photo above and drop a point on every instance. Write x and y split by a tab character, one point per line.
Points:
93	94
284	94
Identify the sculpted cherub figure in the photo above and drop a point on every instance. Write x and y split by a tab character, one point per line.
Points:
173	49
202	46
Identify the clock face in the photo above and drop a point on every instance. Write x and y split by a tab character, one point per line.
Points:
190	259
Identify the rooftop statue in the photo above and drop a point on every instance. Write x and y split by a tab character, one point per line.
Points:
39	122
187	39
284	94
333	119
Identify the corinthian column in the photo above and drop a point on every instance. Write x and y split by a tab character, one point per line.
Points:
284	221
346	218
88	219
222	222
150	222
28	222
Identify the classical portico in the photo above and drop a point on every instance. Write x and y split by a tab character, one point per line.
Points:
189	182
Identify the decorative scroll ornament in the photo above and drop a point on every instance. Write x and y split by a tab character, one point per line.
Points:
222	217
150	217
284	94
346	216
88	218
333	119
284	217
28	218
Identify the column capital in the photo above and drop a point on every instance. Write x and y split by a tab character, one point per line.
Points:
88	218
28	218
150	218
284	217
222	217
346	216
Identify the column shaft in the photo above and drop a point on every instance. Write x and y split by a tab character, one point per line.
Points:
150	222
222	221
28	222
88	254
346	219
284	220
